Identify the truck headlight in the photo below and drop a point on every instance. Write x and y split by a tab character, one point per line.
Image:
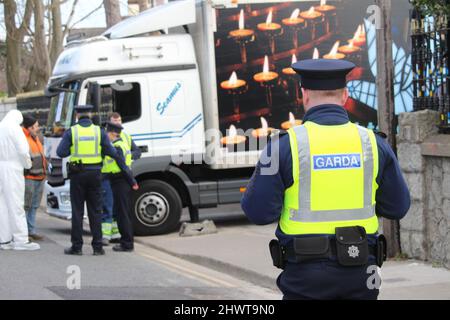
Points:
65	198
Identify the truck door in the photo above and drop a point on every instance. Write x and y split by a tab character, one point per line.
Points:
129	97
176	113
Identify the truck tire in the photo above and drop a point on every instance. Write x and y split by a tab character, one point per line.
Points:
156	208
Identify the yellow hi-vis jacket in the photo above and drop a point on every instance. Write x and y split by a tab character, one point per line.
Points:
334	172
110	165
86	144
126	138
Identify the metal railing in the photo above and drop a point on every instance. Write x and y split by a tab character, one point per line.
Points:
430	63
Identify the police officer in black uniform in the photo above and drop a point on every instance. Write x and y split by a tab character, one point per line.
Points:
86	144
326	182
120	187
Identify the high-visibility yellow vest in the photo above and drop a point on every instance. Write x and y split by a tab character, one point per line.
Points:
334	172
110	165
86	144
126	138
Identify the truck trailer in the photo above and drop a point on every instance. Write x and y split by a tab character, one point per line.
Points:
200	86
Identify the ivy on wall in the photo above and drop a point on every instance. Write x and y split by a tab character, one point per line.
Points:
432	7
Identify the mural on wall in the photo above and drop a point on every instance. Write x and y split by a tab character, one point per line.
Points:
255	45
366	92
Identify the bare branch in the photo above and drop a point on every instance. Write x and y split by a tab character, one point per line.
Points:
112	12
69	20
26	17
87	16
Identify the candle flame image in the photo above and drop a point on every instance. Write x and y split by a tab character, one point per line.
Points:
311	11
294	59
351	44
316	54
291	123
232	132
358	32
335	48
269	17
323	3
292	119
264	124
241	20
362	31
295	14
233	79
266	65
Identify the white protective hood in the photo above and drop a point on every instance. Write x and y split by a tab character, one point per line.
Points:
14	149
13	117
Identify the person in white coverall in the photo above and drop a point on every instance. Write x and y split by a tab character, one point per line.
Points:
14	158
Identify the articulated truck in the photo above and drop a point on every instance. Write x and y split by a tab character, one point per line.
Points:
200	85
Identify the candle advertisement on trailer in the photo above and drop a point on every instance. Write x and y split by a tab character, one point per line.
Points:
256	44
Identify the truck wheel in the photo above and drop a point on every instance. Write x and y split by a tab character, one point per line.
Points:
156	208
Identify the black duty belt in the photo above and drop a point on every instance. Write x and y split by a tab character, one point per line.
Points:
79	166
290	255
349	247
93	165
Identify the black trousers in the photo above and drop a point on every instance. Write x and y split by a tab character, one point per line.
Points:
121	210
326	280
86	187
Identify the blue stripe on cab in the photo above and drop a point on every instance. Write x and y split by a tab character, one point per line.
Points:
168	134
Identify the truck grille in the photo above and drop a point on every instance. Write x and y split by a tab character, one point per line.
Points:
55	175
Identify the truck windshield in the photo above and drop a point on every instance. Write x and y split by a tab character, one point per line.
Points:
61	110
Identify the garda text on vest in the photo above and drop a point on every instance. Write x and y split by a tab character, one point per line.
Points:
337	161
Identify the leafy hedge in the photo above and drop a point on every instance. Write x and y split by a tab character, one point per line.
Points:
432	7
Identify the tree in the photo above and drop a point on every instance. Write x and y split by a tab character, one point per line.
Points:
44	50
112	12
57	35
14	40
432	7
143	5
42	69
32	50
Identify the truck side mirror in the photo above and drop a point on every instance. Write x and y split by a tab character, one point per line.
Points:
49	93
94	95
121	86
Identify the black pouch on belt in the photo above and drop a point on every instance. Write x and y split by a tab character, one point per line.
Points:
312	248
277	255
75	167
381	250
352	248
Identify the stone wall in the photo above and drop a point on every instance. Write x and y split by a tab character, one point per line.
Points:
424	157
7	104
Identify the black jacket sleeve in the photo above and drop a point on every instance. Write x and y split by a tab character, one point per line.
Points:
392	197
63	149
135	151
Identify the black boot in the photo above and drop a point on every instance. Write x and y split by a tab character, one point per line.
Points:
99	252
120	248
73	251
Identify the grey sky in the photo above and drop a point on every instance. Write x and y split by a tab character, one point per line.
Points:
83	8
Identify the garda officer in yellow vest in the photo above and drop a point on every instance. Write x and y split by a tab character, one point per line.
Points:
120	188
110	228
86	144
325	182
